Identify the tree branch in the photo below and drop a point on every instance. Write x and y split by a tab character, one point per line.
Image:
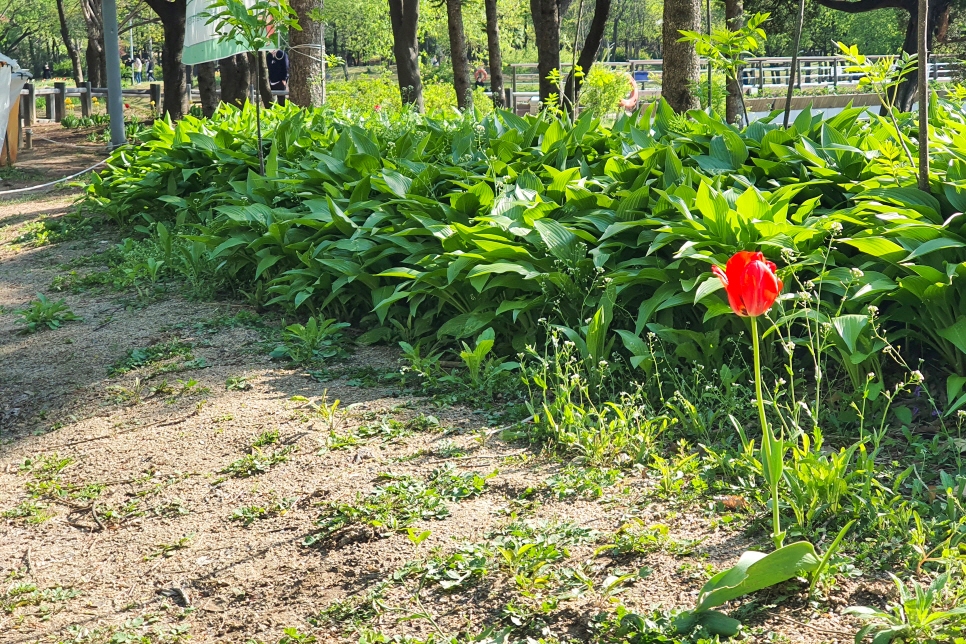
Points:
17	41
136	25
861	6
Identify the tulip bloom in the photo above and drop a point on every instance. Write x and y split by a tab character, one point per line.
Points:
752	288
750	282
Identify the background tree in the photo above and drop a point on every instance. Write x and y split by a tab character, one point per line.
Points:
172	15
458	55
681	65
546	24
356	30
938	17
69	43
235	79
264	85
734	18
495	53
404	15
306	83
96	60
588	54
247	27
207	88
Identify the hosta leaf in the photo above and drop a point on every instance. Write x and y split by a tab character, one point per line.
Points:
561	242
466	324
876	246
849	328
956	334
933	245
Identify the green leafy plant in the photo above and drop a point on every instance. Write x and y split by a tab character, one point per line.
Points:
726	49
248	26
312	341
754	571
43	313
923	614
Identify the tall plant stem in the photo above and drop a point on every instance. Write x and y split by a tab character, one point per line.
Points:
794	70
708	19
923	88
258	118
770	457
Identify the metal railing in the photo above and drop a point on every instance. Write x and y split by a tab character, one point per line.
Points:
757	75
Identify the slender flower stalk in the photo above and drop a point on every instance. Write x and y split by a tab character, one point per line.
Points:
772	453
752	287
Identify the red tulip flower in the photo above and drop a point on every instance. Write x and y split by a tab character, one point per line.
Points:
126	106
751	283
377	108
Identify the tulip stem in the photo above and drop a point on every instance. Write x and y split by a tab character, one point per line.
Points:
772	452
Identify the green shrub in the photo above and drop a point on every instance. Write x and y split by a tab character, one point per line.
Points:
603	89
365	95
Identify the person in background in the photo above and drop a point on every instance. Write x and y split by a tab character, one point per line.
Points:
48	73
278	72
136	67
150	69
480	76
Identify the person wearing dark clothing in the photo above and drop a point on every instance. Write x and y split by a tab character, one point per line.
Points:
278	71
150	69
48	72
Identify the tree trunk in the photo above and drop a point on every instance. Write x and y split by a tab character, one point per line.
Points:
681	66
546	27
734	11
172	15
71	48
235	78
96	60
589	52
264	87
496	56
207	89
457	53
404	16
306	77
905	94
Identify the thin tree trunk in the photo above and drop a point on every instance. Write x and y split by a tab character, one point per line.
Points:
496	56
734	12
71	47
681	66
96	60
793	71
905	94
404	16
306	79
458	55
923	91
264	87
546	27
589	52
207	89
235	79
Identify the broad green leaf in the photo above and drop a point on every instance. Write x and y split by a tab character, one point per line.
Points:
849	328
756	570
875	246
956	334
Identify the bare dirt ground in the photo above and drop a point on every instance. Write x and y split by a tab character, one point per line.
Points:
117	493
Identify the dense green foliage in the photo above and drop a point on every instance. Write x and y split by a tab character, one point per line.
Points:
451	226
